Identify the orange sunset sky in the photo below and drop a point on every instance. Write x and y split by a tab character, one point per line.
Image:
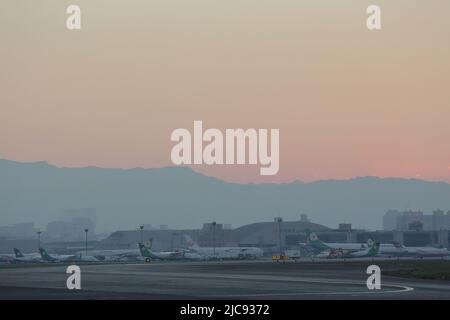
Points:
348	102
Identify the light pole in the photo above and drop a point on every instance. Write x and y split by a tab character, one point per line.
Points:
86	231
172	236
214	238
279	220
142	233
39	239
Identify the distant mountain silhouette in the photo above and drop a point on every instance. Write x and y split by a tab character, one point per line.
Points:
180	197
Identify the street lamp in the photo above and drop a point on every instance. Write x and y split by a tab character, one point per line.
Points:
279	220
39	239
142	233
86	245
214	238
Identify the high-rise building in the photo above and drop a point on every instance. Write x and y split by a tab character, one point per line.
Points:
71	225
416	221
25	230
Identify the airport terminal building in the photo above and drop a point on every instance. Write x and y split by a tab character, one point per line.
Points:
265	235
269	236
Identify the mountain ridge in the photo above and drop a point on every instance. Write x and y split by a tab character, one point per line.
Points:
184	198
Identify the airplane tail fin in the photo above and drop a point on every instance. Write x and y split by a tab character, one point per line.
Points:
191	243
313	240
145	251
44	254
18	253
374	249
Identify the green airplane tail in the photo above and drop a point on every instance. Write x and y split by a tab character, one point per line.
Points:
45	255
18	253
314	241
374	249
146	252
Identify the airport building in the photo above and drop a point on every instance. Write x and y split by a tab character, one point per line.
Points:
271	236
267	236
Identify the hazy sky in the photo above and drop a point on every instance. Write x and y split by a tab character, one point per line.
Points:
348	102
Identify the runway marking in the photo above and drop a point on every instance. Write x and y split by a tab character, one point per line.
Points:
400	289
100	271
404	289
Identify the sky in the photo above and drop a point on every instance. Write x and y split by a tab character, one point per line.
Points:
348	101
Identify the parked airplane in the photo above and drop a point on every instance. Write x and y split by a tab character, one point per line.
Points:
385	249
224	252
31	257
398	250
148	254
5	258
87	258
393	250
56	258
427	252
114	255
371	251
317	246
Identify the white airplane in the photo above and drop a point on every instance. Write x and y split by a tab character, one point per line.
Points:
391	250
30	257
317	246
371	251
114	255
321	249
5	258
397	250
86	258
427	252
148	254
224	252
56	257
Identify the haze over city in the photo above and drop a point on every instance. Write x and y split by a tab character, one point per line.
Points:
347	102
188	151
182	198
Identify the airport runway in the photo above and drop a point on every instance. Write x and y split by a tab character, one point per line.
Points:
214	280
